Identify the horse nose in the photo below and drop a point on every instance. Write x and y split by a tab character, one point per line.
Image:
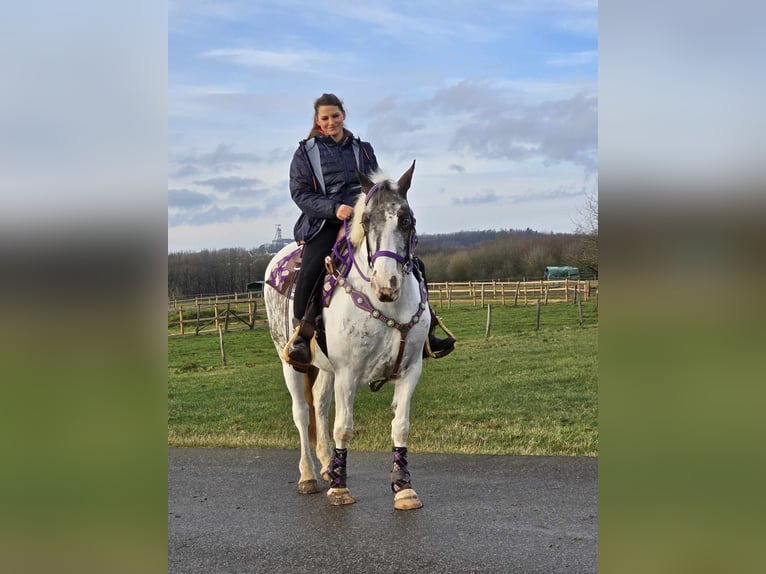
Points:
387	295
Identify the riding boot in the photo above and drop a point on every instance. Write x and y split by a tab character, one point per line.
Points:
299	354
435	347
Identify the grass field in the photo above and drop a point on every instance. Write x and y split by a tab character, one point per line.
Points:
519	392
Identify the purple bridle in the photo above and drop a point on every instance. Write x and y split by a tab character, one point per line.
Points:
404	260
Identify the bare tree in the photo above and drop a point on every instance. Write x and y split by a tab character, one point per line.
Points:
587	229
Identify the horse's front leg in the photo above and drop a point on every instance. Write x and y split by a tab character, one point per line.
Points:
405	497
345	390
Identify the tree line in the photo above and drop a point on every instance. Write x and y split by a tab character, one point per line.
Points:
506	255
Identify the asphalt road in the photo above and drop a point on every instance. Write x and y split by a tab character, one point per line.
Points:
239	511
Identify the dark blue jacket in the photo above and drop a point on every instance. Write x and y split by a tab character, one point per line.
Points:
341	185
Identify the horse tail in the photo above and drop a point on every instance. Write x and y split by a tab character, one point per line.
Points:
309	378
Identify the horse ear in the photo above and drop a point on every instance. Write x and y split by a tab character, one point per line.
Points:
365	181
406	180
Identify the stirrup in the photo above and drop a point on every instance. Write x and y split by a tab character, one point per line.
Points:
297	365
428	352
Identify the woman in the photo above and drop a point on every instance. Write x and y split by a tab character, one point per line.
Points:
324	185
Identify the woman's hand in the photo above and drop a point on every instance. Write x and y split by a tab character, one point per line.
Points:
344	212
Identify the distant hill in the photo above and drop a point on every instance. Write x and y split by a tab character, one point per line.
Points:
460	256
431	243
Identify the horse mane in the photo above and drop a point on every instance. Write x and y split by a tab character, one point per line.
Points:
356	235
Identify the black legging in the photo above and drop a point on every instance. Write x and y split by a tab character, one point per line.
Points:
312	265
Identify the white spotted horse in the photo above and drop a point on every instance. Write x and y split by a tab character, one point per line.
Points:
375	325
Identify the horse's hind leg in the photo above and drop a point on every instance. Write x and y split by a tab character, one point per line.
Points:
323	388
405	497
302	418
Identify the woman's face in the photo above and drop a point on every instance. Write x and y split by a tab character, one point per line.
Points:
330	120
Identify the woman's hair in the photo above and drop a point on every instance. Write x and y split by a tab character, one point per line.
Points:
324	100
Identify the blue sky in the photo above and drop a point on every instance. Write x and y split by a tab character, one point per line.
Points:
497	102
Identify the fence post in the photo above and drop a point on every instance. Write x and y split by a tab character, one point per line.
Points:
516	295
441	304
215	310
226	319
566	289
502	293
489	320
196	330
482	295
449	297
537	316
223	353
181	319
579	311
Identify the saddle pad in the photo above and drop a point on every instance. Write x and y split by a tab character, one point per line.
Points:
283	274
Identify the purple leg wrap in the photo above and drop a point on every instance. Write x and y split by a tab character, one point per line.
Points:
400	476
337	470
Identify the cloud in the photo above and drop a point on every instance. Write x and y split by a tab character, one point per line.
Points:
186	199
586	25
484	198
490	197
457	168
553	132
492	120
573	59
230	184
287	60
550	195
265	206
222	158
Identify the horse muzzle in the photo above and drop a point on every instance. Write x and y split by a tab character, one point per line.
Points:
388	293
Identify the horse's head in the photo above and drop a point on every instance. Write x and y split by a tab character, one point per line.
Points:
384	230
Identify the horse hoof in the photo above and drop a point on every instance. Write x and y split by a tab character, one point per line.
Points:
340	496
407	500
308	487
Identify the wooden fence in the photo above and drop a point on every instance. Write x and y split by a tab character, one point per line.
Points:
206	314
479	293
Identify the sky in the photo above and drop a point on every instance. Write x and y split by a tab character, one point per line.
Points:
496	101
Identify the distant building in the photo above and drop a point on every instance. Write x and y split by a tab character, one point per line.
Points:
277	243
562	272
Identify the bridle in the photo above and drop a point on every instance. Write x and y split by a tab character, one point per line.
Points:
404	260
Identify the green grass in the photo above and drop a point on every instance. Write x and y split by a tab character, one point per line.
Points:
519	392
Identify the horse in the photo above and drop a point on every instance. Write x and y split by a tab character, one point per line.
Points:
375	323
